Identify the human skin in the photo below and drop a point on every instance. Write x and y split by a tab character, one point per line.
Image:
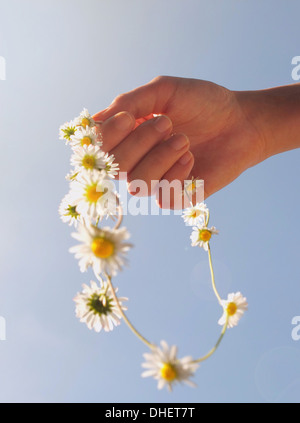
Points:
206	130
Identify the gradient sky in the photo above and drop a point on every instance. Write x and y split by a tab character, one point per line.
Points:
64	55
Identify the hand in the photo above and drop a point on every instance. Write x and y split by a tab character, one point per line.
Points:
214	139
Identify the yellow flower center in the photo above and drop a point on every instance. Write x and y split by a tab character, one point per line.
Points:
92	194
168	372
195	213
85	122
231	309
205	235
88	162
191	187
86	141
102	247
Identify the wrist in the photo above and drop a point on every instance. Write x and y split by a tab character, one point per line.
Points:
275	115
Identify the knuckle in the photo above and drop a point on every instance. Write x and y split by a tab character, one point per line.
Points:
167	84
121	98
160	79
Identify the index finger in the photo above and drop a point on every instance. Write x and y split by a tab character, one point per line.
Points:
141	102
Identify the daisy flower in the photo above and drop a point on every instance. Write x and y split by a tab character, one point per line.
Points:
103	249
92	157
67	130
234	307
88	157
163	364
201	236
195	214
85	136
108	165
68	211
93	194
192	185
96	307
84	119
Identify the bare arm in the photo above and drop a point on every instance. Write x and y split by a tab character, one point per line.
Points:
276	114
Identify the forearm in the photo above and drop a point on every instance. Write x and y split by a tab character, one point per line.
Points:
275	113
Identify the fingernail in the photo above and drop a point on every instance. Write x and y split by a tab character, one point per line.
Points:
124	121
179	141
185	159
163	123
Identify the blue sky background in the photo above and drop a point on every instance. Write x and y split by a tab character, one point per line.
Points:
65	55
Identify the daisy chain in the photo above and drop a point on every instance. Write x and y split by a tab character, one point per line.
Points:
92	196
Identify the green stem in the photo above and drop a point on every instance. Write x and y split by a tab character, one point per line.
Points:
127	321
213	276
120	214
188	196
206	356
207	218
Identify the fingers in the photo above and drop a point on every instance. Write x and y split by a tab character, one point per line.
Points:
179	172
141	142
142	101
138	144
115	129
158	162
181	169
147	153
